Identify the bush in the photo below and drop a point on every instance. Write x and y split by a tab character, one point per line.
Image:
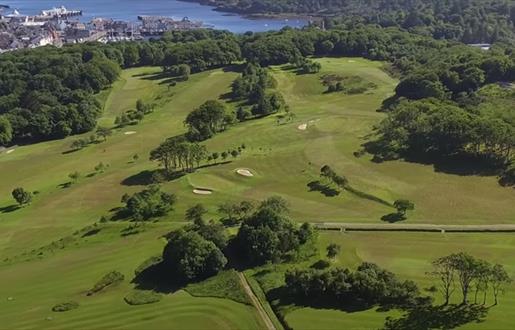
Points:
66	306
110	279
138	297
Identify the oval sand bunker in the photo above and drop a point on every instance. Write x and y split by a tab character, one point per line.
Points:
244	172
130	133
200	191
303	127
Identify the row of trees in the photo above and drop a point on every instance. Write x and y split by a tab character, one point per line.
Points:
368	285
470	274
178	154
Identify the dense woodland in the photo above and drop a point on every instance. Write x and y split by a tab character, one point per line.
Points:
471	21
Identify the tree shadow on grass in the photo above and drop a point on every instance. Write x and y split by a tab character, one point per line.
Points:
393	217
323	189
283	298
65	185
437	317
145	178
158	278
10	208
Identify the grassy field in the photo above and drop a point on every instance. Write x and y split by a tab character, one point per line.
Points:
284	160
409	256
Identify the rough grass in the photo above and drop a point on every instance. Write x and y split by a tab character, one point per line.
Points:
139	297
65	307
110	279
224	285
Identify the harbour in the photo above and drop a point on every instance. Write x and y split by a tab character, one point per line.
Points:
128	11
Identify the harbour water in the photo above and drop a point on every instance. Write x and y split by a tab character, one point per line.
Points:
128	10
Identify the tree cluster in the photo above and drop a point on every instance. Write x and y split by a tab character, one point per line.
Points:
178	154
268	235
207	120
470	275
368	285
148	203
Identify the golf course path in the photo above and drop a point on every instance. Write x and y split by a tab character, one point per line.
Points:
495	228
255	301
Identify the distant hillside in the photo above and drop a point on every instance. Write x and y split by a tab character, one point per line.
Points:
471	21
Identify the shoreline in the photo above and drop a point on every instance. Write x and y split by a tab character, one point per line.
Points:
256	16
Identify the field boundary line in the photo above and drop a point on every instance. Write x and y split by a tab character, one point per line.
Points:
496	228
255	301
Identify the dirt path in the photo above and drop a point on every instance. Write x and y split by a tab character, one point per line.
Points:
255	301
495	228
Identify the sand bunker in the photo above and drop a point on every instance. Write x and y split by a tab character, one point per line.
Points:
244	172
351	61
9	151
303	127
130	133
200	191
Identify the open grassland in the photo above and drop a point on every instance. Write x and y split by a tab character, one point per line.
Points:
409	256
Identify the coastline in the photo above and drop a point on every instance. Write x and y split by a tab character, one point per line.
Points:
255	16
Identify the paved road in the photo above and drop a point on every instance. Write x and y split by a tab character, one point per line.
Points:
255	301
495	228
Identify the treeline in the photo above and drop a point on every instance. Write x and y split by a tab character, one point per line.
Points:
368	285
48	93
471	21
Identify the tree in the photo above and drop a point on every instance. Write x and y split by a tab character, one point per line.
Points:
235	153
21	196
104	132
192	257
466	270
215	156
74	176
275	203
269	236
6	131
402	206
499	278
333	250
206	121
225	154
196	213
100	167
78	144
443	270
150	203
